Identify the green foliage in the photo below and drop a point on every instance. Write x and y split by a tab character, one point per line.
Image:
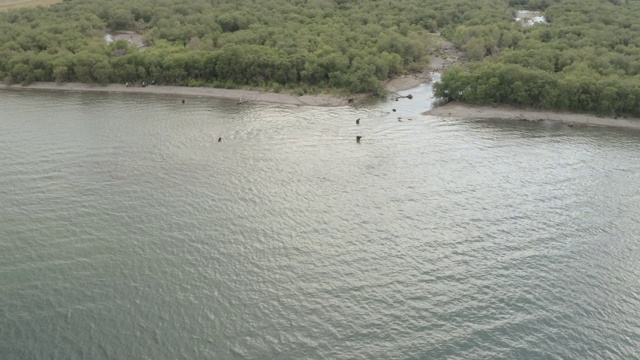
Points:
586	59
282	44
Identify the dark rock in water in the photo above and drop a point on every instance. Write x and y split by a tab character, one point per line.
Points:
409	96
394	110
219	139
358	138
183	101
357	121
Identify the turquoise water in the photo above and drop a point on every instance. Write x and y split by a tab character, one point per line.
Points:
128	232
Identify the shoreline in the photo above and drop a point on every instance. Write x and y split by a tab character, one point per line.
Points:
239	95
450	110
461	110
393	85
400	83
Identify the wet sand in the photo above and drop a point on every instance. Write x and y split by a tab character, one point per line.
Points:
460	110
396	84
181	91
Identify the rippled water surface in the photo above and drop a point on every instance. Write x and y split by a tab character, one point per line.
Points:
127	231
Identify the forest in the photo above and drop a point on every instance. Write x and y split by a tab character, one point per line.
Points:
586	58
303	45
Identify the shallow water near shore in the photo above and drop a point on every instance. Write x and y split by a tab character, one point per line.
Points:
127	231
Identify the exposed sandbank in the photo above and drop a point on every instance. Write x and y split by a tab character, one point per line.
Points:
407	82
397	84
230	94
460	110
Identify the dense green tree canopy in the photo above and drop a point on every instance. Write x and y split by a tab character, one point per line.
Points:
586	59
301	44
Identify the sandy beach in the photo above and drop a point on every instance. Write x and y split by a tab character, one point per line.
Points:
181	91
453	109
460	110
397	84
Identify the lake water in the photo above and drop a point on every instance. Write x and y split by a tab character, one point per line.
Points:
127	231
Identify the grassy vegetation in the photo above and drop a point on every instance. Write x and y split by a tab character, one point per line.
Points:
16	4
